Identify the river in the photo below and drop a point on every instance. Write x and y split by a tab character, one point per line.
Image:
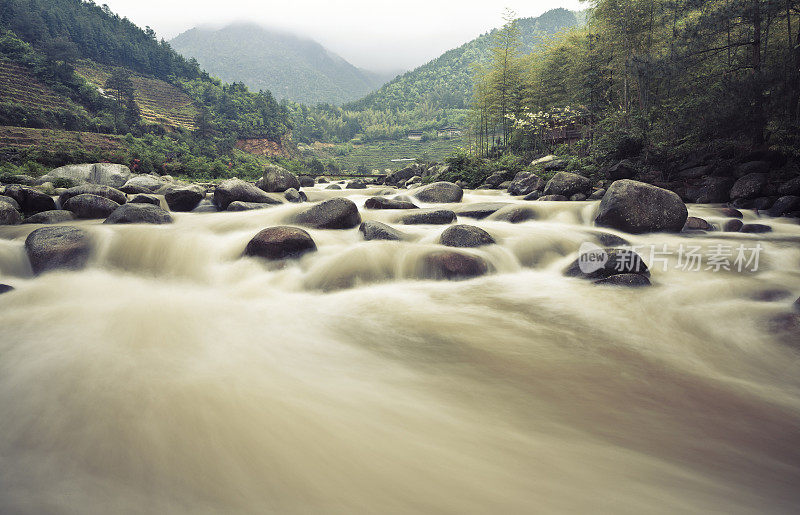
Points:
173	375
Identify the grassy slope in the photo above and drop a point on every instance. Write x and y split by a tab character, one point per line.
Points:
19	86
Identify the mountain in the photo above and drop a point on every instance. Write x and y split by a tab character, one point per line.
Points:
446	82
289	66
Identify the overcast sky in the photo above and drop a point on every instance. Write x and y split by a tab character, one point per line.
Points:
374	34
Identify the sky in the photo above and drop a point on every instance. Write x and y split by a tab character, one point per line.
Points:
378	35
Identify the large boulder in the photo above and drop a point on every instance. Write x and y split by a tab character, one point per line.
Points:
748	186
143	184
440	192
306	181
232	190
281	242
497	178
9	200
9	214
525	183
278	180
30	200
60	247
373	230
184	198
110	174
335	213
785	205
5	288
759	167
568	184
790	187
436	217
401	176
92	189
388	203
56	216
626	280
77	174
599	263
90	206
710	190
452	265
144	198
139	214
622	170
238	205
636	207
465	236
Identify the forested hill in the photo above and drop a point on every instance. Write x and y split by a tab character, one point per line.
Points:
446	82
50	37
291	67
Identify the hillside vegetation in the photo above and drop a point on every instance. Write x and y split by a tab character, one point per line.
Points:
289	66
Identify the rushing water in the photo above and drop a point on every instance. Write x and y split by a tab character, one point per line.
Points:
174	376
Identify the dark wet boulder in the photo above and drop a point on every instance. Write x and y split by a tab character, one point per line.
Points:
292	195
9	200
58	248
55	216
525	183
622	170
388	203
597	194
92	189
90	206
335	213
480	210
497	178
333	187
144	198
322	180
784	205
440	192
237	205
278	180
232	190
356	185
599	263
770	295
451	265
401	176
465	236
755	228
568	184
373	230
306	181
30	200
710	190
636	207
757	167
731	212
282	242
578	197
553	198
733	225
516	214
134	190
4	288
748	186
607	239
184	198
139	214
790	187
9	214
626	280
436	217
694	223
695	172
763	203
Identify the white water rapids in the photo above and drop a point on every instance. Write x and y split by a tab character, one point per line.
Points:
174	376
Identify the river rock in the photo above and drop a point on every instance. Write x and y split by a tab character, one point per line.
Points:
436	217
451	265
356	185
614	261
627	280
465	236
731	212
497	178
636	207
516	214
9	214
110	174
790	187
9	200
440	192
622	170
292	195
333	187
306	181
755	228
748	186
694	223
784	205
525	183
87	205
733	225
92	189
553	198
322	180
388	203
184	198
278	180
143	184
534	195
481	210
55	216
335	213
76	174
5	288
59	247
30	200
568	184
578	197
237	206
232	190
757	167
373	230
597	194
139	214
144	198
282	242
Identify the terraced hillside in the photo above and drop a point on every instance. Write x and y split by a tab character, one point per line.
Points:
159	102
19	86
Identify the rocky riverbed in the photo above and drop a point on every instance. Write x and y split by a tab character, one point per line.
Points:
290	347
